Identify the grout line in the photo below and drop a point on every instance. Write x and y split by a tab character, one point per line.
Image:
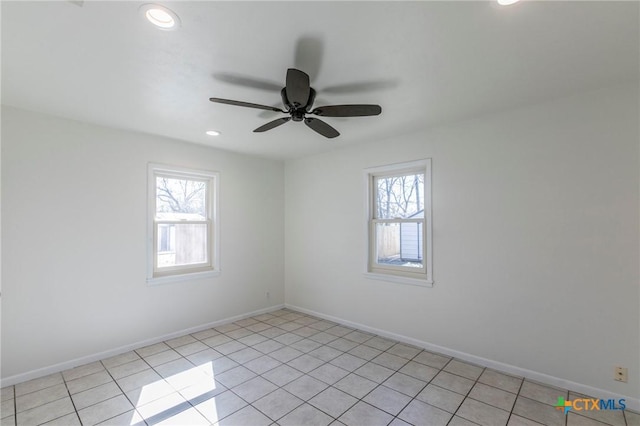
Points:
515	400
122	392
15	406
468	392
75	410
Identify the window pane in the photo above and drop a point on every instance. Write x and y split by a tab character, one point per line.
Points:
399	244
180	199
182	244
400	196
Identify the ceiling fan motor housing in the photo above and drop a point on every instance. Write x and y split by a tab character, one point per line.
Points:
298	112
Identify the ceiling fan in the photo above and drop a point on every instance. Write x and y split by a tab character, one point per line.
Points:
298	97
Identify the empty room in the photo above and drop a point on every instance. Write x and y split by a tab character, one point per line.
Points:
320	213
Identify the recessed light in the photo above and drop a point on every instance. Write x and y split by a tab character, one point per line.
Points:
160	16
507	2
213	133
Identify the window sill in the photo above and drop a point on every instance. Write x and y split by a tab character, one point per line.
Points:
168	279
400	280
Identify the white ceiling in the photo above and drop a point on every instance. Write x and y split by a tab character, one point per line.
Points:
423	62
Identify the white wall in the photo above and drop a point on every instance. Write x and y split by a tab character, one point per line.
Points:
535	233
74	240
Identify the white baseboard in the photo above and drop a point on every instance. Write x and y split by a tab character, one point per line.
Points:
56	368
631	403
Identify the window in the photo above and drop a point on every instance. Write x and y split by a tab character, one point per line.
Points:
182	223
399	222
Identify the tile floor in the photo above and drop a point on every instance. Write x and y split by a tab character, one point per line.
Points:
287	368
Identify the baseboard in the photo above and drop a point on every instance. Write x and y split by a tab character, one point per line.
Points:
56	368
631	403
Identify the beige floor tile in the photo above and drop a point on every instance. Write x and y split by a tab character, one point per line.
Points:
441	398
41	397
68	420
221	406
431	359
191	348
305	387
379	343
539	412
482	414
355	385
493	396
7	393
83	370
162	358
419	371
277	404
205	334
162	408
404	351
453	382
95	395
464	369
181	341
152	349
387	400
128	418
46	412
88	382
8	421
120	359
282	375
365	415
578	420
38	384
333	401
419	413
501	381
329	373
8	408
516	420
545	394
305	415
348	362
104	410
405	384
459	421
374	372
254	389
610	417
365	352
128	369
246	416
632	418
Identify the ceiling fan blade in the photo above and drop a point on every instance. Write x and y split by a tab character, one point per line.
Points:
297	87
270	125
245	104
308	54
246	81
347	110
321	127
360	87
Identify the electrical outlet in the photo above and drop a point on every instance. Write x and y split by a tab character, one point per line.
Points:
620	374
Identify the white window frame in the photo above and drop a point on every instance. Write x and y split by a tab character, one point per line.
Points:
183	272
399	274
